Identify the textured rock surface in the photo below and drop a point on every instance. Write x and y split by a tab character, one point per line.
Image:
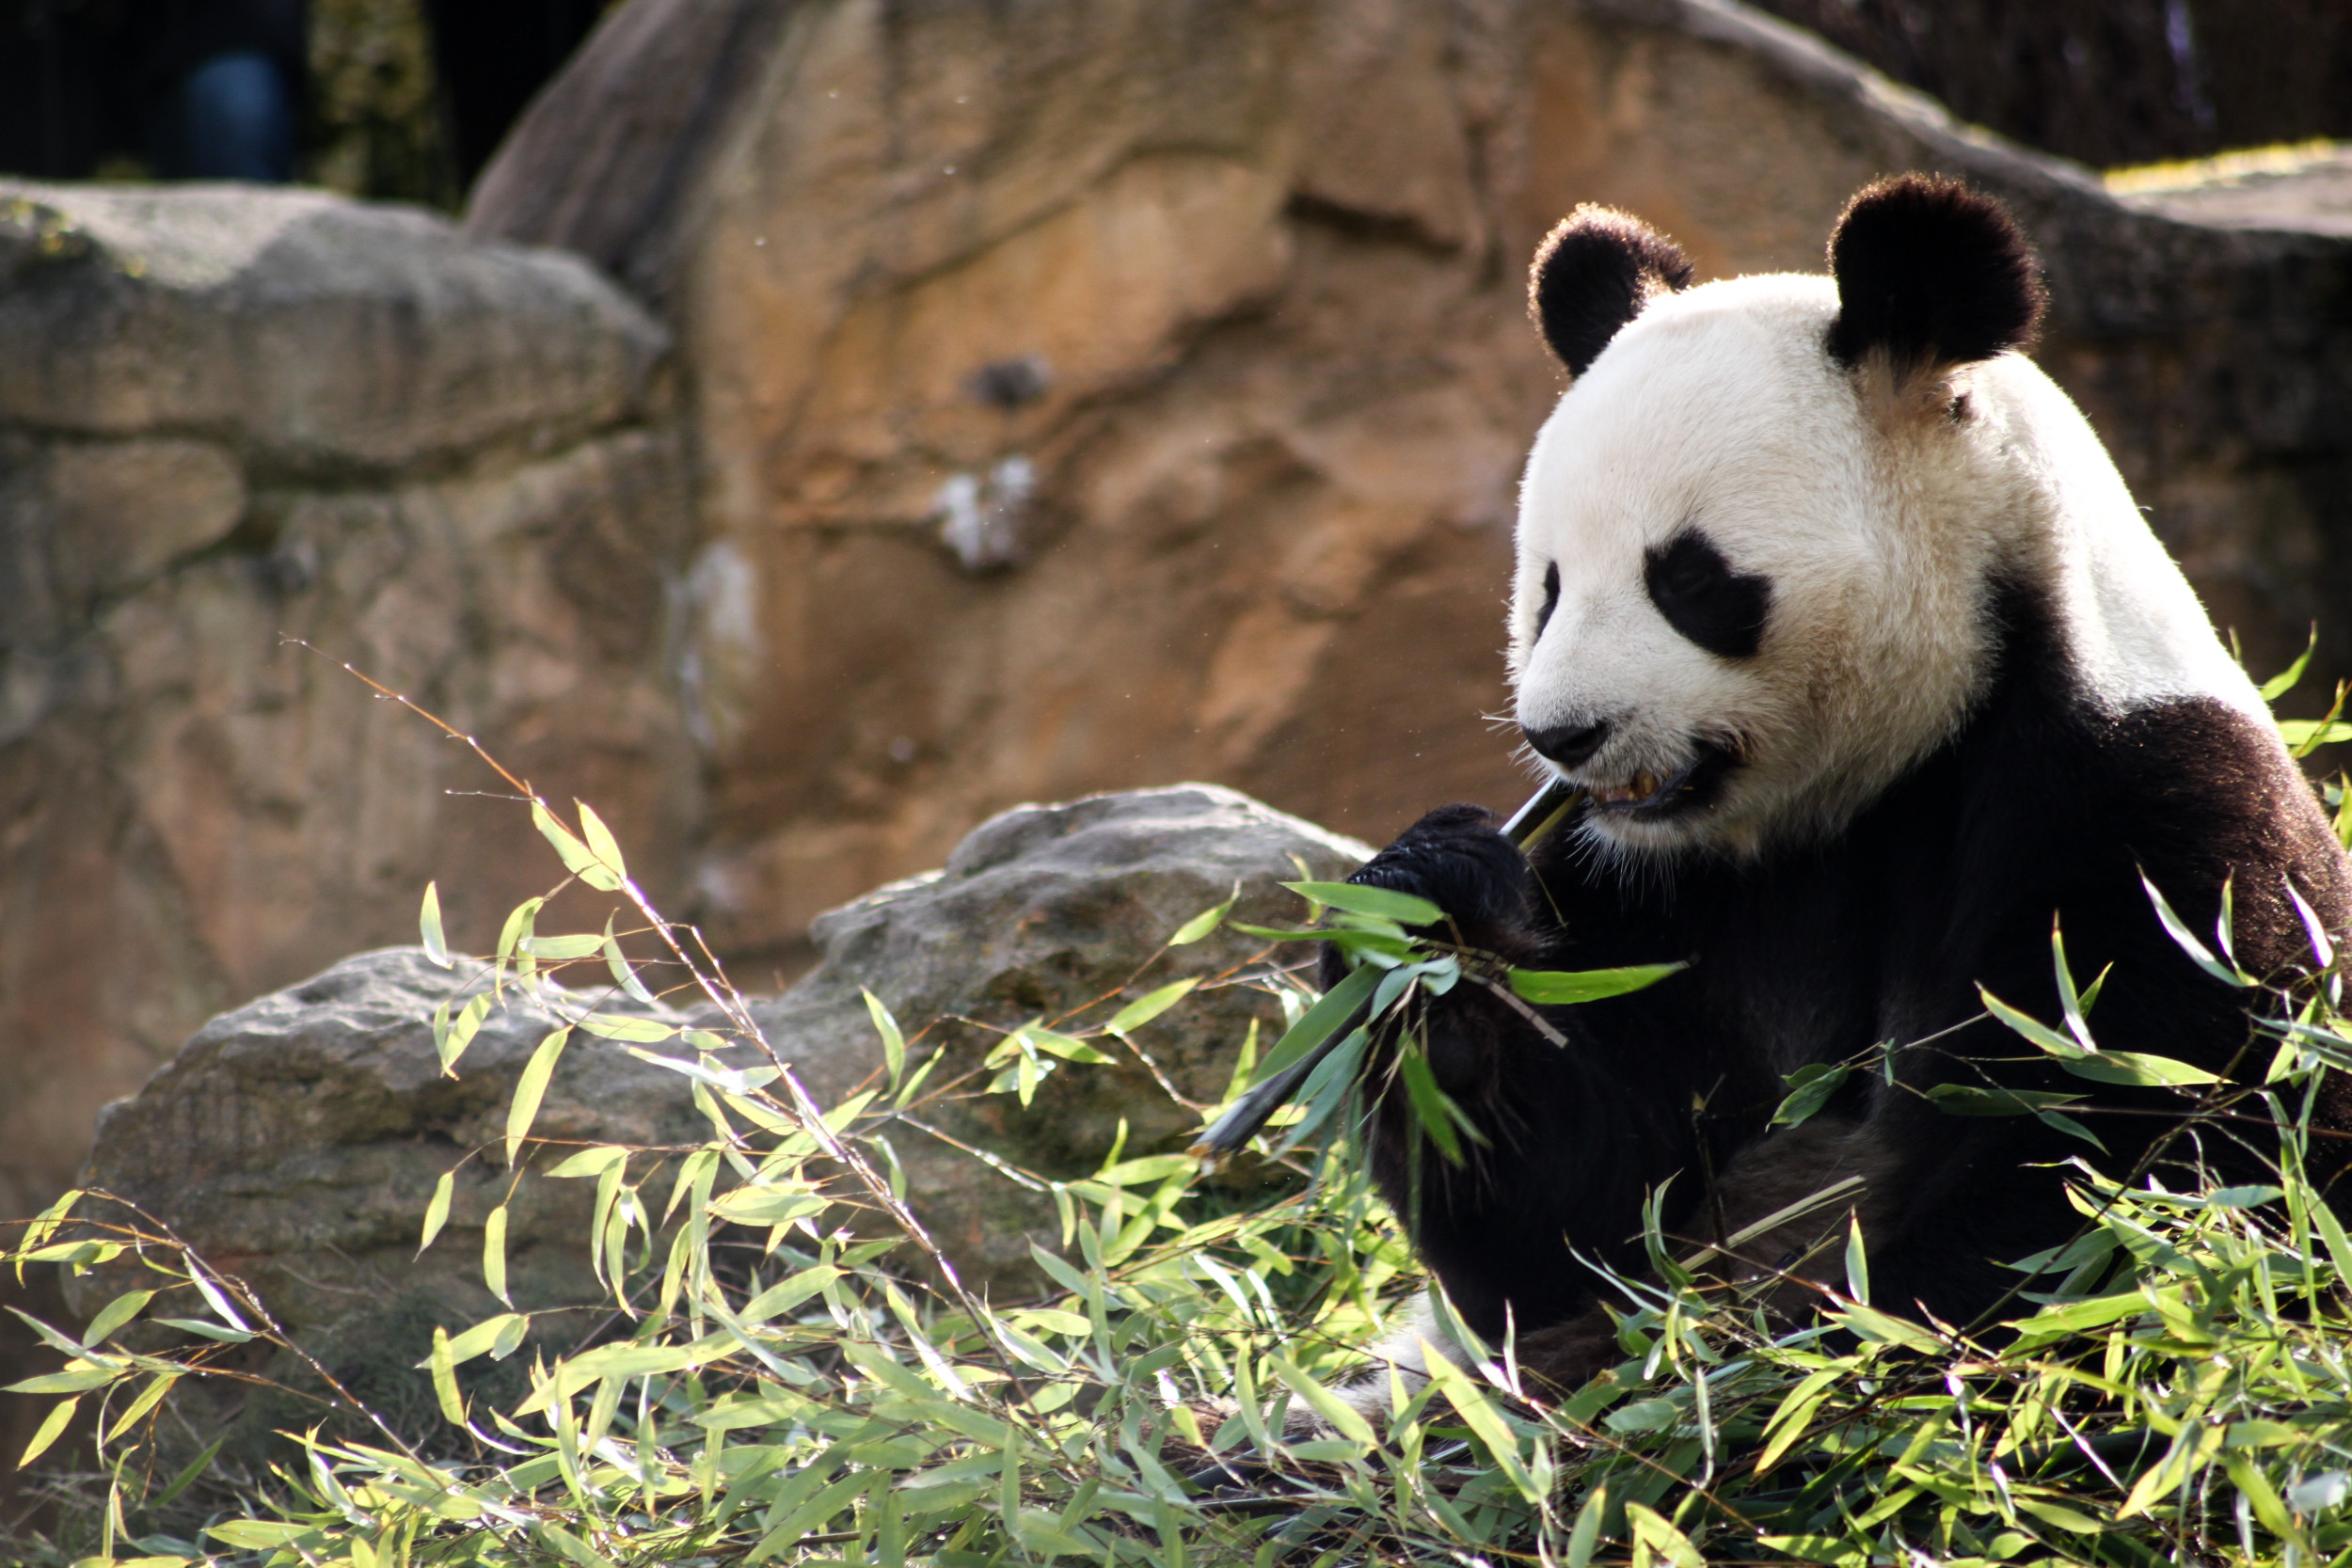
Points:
295	1141
1051	912
229	417
1269	254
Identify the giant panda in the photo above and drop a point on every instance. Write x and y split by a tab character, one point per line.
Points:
1871	671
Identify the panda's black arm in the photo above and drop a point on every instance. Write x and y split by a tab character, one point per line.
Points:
1577	1135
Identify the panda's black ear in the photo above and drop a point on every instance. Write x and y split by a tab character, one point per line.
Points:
1592	274
1932	273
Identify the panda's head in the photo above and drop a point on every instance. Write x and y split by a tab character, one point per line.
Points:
1757	535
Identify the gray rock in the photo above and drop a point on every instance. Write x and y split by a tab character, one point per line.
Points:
314	330
296	1141
1052	913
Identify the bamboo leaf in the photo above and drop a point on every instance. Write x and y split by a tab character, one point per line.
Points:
49	1431
462	1030
1205	922
1142	1010
1380	903
436	1211
1809	1088
629	1031
2185	940
429	926
2031	1028
580	861
1318	1022
149	1397
115	1314
1664	1542
444	1365
530	1089
563	949
494	1254
602	844
1857	1262
623	972
893	1041
1563	988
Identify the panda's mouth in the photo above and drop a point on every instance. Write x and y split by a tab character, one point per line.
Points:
1649	794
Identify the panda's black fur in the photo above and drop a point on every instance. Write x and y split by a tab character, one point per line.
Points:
2039	806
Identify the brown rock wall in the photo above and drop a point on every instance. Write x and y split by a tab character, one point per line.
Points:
1251	523
231	419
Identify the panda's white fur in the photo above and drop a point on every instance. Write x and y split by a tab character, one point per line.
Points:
1877	514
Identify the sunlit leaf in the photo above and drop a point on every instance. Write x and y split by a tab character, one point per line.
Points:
1205	922
436	1211
1142	1010
1380	903
1562	987
429	926
529	1089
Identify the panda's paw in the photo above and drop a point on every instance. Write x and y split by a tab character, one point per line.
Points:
1458	859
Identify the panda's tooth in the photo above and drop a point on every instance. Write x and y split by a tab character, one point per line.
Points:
1645	783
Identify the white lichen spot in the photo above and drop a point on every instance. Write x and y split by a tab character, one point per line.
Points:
980	518
719	660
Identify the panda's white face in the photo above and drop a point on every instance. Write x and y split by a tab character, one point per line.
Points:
1761	536
1748	595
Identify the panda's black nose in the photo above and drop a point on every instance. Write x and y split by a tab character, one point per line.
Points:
1568	744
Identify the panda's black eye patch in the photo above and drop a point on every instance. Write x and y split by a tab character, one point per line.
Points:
1703	598
1552	597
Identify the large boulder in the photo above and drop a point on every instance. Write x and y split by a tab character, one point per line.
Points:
1104	390
233	417
295	1141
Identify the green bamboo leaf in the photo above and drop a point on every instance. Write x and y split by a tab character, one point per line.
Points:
1664	1542
2129	1066
530	1089
74	1380
623	972
1324	1090
629	1031
2283	682
209	1331
2185	940
893	1041
1206	921
1857	1262
49	1431
436	1211
115	1314
1316	1024
444	1365
1560	988
2031	1028
479	1339
149	1397
580	861
1586	1533
519	924
602	844
564	949
2305	736
1380	903
494	1254
1343	1417
1142	1010
429	926
592	1162
1809	1088
462	1030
